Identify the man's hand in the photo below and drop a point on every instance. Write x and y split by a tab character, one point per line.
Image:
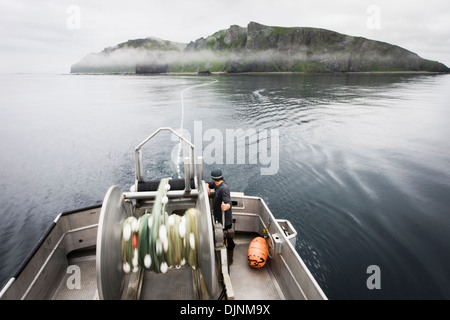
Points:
225	206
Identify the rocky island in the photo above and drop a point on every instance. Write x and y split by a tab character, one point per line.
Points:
257	48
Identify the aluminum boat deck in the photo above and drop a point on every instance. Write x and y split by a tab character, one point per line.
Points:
177	284
80	256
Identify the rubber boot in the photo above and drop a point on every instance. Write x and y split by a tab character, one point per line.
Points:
230	257
229	243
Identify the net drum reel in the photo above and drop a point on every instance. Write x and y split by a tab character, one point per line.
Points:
155	241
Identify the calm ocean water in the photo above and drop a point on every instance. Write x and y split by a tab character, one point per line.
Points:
363	170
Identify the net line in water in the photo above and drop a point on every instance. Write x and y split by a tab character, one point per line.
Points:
182	120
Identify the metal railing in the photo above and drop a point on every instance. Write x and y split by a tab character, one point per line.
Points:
191	170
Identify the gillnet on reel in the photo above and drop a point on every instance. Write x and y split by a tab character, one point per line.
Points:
154	241
159	241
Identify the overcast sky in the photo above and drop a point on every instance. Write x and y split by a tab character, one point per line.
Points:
51	35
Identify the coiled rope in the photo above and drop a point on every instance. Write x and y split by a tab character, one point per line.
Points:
157	241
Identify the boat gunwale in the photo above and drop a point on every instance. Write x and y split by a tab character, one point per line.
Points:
21	267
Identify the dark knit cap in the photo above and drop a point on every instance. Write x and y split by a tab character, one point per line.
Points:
216	174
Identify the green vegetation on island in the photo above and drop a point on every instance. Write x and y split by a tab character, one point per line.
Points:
257	48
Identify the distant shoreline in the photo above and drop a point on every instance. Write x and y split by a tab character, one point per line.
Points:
255	73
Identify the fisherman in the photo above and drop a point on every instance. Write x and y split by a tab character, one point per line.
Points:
222	203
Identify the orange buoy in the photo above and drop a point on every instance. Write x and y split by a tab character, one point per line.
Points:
257	253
